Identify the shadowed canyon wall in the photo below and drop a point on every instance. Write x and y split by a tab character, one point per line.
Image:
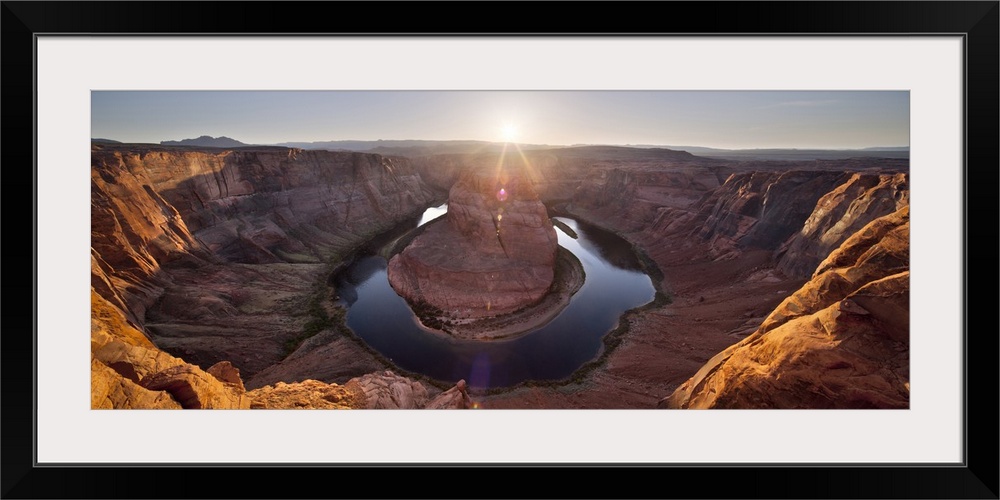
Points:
208	253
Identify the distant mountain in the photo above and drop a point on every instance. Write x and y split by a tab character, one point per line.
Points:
207	142
334	145
105	141
383	144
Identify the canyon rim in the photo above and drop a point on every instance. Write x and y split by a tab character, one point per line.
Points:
238	271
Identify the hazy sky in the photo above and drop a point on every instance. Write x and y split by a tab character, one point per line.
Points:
725	119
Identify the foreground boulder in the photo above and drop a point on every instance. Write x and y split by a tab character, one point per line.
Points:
379	390
195	388
109	390
128	371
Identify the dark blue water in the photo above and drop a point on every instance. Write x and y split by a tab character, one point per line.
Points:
614	284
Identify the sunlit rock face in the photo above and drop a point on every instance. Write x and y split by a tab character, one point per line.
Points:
494	253
840	341
377	390
862	198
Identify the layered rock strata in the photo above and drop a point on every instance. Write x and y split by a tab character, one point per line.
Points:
128	371
215	255
840	341
723	283
862	198
493	254
253	205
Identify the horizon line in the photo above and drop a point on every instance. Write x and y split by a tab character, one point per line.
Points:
632	145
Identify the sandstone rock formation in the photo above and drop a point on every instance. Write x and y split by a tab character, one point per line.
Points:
862	198
579	174
800	215
493	254
381	390
128	371
209	252
840	341
257	205
456	398
722	286
307	394
195	388
761	209
386	390
109	390
134	232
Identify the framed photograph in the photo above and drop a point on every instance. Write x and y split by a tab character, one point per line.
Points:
891	105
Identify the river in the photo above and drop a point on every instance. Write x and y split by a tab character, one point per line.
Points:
614	284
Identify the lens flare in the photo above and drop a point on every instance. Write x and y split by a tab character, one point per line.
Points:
479	372
502	194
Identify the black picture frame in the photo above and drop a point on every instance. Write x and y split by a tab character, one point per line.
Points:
976	22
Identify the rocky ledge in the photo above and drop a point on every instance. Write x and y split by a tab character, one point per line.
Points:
128	371
383	390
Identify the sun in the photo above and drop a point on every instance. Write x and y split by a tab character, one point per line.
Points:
508	132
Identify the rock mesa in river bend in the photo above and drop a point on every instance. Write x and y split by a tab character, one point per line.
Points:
494	254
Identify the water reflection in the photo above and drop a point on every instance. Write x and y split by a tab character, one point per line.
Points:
613	250
432	213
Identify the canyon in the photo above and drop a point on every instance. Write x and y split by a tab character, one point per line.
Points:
780	284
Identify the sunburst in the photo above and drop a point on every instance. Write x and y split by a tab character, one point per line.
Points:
508	132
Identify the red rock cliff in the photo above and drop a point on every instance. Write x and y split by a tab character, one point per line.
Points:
840	341
220	247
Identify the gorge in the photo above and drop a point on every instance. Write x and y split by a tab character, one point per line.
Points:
220	278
